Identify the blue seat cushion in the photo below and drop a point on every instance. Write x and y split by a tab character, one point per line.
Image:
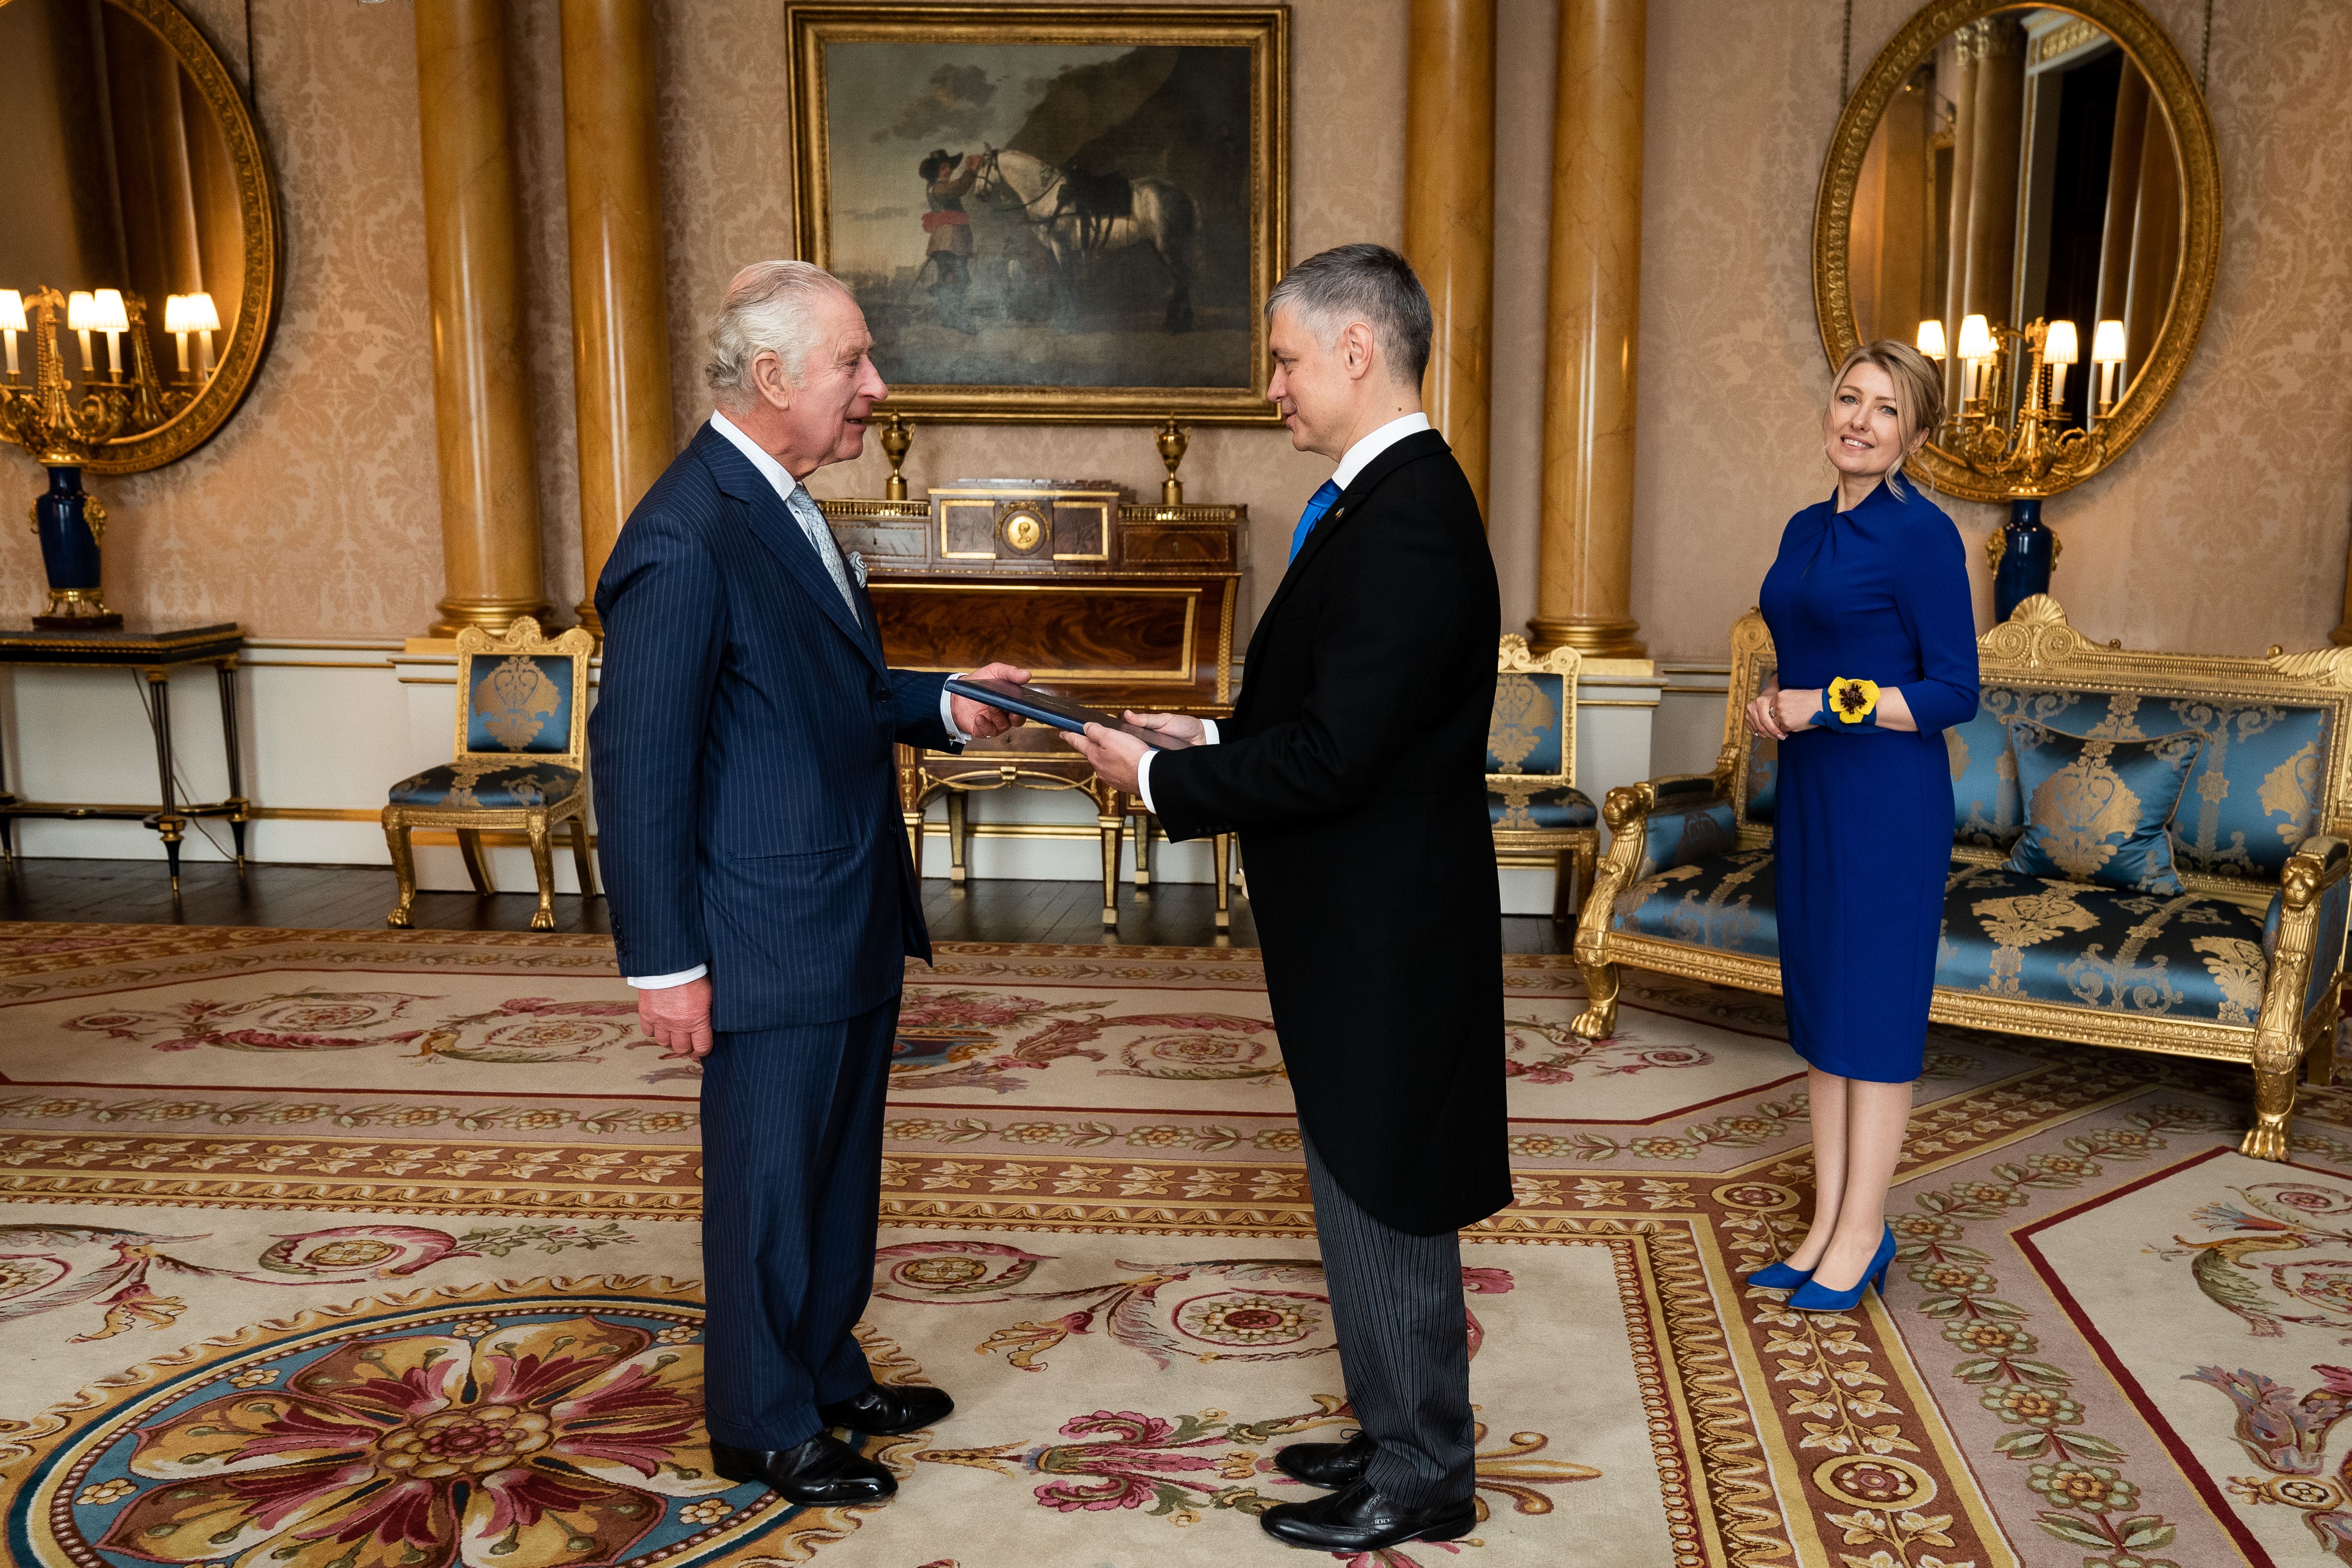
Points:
2005	934
1520	810
489	784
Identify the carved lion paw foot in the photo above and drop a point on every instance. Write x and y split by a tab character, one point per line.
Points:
2264	1143
1595	1024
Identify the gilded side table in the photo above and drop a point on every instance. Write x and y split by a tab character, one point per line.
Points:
150	654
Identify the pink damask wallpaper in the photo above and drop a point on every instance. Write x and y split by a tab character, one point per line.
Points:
315	512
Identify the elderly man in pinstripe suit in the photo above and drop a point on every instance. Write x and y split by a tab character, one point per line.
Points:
761	893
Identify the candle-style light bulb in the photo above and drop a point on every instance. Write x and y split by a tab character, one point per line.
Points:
2060	348
1975	348
175	322
108	316
12	321
198	312
1931	340
77	314
2107	354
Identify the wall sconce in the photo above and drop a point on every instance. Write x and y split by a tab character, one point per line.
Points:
12	321
185	313
2107	354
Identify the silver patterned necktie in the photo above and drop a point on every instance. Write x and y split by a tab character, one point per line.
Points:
811	517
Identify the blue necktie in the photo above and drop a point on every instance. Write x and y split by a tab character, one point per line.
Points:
1317	505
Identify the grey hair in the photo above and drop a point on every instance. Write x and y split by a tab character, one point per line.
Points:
1367	283
765	310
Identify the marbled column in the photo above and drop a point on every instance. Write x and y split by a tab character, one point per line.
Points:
1992	174
1449	216
481	388
620	342
1584	582
1967	57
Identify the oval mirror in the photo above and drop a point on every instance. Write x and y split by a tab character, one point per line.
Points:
2029	194
137	191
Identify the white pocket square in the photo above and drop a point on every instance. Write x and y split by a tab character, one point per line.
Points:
857	565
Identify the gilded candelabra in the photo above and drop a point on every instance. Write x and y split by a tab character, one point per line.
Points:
62	434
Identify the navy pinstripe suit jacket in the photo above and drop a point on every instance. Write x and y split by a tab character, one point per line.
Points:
740	748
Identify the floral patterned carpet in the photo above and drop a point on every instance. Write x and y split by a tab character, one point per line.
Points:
376	1250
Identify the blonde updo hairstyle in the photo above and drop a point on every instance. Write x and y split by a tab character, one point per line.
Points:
1918	390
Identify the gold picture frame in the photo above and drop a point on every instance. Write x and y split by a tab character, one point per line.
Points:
2173	89
1064	251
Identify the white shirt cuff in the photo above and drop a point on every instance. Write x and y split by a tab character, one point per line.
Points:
664	981
946	717
1143	768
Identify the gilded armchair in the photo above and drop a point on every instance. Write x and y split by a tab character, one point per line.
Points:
520	762
1539	815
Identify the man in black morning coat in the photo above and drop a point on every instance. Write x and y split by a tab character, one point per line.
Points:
1354	769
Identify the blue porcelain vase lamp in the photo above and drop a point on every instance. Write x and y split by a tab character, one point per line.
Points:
62	435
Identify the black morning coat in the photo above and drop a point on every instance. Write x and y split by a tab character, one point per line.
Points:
1354	770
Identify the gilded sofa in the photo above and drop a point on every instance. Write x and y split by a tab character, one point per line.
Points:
2245	965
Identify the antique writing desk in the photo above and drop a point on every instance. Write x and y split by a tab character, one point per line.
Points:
1115	604
149	655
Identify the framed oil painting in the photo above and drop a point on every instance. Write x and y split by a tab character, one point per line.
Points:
1050	213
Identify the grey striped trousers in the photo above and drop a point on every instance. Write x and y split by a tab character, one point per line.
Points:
1404	1344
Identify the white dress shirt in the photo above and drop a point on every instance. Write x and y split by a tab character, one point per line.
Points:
1351	462
777	474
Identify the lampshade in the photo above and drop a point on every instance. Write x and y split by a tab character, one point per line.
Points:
106	311
1931	339
2060	347
12	310
190	313
77	307
1975	339
2107	342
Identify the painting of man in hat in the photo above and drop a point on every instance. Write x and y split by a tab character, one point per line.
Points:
946	179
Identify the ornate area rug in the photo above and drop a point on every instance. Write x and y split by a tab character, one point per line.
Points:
377	1250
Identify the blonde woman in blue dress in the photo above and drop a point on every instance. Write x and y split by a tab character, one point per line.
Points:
1875	639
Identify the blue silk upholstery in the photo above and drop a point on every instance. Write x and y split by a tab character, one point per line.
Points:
2043	939
1763	762
1566	806
2098	810
1523	734
1986	810
519	703
1686	837
488	784
2252	797
2005	934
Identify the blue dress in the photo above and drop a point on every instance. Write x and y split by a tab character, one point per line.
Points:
1862	825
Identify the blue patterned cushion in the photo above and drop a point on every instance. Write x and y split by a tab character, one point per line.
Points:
520	703
1724	903
1523	736
2042	939
1986	811
2254	795
1763	777
1518	810
1686	837
491	784
2097	810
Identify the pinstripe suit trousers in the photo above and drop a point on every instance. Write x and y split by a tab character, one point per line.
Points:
791	1175
1404	1344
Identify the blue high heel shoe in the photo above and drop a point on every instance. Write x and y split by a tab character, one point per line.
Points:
1813	1298
1779	1277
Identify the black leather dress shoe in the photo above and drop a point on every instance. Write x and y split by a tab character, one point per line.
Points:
1328	1465
888	1412
1360	1520
824	1472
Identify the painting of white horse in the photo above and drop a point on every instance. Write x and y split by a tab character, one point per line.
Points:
1050	223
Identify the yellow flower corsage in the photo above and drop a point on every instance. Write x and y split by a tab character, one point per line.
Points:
1853	701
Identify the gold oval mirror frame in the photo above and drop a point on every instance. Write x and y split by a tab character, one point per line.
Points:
2171	90
209	399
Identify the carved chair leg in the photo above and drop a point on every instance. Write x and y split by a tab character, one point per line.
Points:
1113	829
477	865
1221	849
958	835
404	867
580	861
1599	1019
2273	1103
542	866
1142	850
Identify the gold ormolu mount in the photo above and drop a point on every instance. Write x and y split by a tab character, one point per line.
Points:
1172	443
58	432
897	437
